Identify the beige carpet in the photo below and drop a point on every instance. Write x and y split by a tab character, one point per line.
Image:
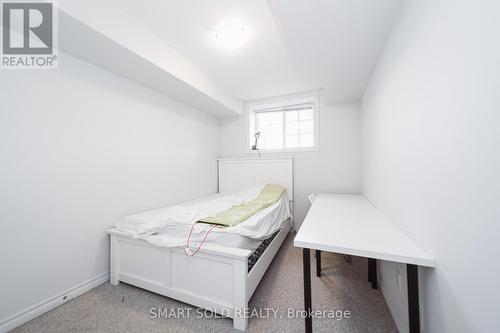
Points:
342	287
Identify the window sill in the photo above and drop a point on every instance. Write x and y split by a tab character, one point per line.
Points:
283	151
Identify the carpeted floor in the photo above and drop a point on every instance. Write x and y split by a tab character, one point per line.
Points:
342	287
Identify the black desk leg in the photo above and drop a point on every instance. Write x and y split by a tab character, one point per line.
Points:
413	303
372	272
318	263
307	288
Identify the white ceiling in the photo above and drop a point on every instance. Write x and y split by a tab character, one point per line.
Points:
294	45
336	42
118	43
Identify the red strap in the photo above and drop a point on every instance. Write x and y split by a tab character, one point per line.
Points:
188	250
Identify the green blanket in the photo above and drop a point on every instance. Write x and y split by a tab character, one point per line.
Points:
239	213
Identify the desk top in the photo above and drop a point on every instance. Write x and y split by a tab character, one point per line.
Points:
350	224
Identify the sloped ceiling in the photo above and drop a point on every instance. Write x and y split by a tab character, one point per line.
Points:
260	69
295	45
113	40
335	43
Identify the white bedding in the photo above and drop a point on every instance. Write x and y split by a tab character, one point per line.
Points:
169	226
151	222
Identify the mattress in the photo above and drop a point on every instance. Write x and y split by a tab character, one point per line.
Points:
246	235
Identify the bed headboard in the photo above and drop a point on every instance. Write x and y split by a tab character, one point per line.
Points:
236	173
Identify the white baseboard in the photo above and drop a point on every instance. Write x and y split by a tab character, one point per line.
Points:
36	310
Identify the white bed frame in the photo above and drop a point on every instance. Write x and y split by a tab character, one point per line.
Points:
217	277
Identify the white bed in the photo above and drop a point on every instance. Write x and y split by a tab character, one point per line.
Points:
217	277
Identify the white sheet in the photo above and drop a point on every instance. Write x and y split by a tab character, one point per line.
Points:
150	222
170	226
246	235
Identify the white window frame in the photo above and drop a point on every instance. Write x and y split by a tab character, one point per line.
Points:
276	102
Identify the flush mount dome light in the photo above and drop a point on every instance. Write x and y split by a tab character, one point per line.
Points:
231	34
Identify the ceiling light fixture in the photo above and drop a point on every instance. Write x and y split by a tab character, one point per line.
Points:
232	34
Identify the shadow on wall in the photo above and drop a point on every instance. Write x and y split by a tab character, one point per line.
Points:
437	310
143	94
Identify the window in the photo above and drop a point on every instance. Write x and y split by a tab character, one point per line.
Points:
288	125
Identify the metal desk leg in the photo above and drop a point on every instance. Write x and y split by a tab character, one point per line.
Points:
372	272
318	263
307	289
413	302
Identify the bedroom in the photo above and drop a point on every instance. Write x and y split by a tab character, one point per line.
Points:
113	109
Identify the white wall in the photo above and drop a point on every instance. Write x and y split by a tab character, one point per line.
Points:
431	157
334	168
79	149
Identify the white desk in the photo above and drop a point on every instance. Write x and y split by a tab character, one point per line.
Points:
350	224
